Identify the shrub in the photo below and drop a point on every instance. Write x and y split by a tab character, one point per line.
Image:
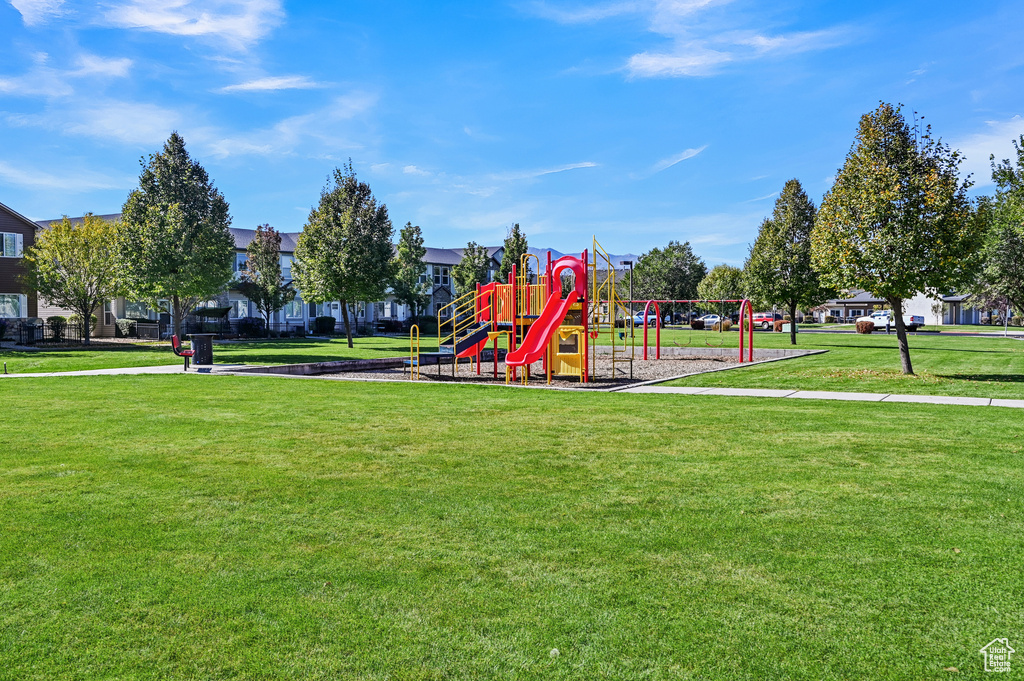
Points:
778	325
829	319
786	318
697	324
865	327
1014	321
58	326
127	328
726	324
77	321
250	326
3	328
324	324
389	325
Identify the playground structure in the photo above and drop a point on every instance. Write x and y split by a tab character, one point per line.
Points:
547	317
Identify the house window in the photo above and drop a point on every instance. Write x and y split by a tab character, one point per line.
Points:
294	308
442	275
286	267
239	308
11	244
12	305
108	313
241	262
426	276
138	311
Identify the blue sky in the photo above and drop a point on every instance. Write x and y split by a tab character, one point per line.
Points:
639	121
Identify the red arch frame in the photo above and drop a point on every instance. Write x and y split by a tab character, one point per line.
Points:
750	330
657	327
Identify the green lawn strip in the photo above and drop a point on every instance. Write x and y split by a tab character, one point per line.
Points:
944	365
225	527
281	351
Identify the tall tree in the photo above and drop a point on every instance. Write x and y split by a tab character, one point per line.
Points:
73	266
515	248
897	221
723	282
472	269
1002	279
778	269
672	273
344	252
409	267
262	281
175	243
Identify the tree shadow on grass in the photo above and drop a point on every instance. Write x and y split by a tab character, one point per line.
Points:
985	378
913	348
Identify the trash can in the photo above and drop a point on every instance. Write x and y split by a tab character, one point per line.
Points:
202	344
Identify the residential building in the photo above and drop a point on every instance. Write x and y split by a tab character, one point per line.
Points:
16	234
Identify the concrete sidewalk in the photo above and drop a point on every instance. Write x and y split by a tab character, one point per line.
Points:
827	395
131	371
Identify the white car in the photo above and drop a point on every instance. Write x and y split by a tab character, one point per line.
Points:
709	320
883	317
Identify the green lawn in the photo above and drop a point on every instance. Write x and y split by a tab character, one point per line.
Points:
284	351
188	526
944	365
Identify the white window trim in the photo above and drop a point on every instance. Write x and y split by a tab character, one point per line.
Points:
19	246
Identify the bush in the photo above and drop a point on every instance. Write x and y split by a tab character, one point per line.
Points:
251	327
778	325
58	326
77	321
697	324
865	327
324	325
126	328
389	325
726	324
1014	321
786	318
829	319
3	328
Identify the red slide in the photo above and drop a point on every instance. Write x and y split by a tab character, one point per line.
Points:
537	337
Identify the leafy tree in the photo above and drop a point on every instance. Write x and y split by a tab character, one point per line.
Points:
174	243
898	220
73	267
723	282
409	267
515	248
672	273
778	270
473	269
1001	284
344	252
262	281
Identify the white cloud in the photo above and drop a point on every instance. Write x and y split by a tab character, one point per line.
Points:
76	181
110	120
531	174
324	127
678	158
700	46
273	83
996	139
37	11
238	23
413	170
47	81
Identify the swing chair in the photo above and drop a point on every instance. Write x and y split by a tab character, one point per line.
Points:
721	327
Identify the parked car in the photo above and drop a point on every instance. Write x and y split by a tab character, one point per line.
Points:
710	320
652	320
883	317
766	319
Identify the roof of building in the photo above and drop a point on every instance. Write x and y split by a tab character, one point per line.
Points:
244	237
856	296
77	220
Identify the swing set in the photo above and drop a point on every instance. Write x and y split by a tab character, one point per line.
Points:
746	324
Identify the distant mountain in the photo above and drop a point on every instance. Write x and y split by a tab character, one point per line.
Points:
541	253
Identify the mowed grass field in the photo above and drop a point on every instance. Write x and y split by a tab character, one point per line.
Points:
282	351
215	527
944	365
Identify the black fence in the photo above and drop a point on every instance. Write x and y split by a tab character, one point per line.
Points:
32	332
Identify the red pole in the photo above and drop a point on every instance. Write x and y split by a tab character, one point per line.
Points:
657	327
586	322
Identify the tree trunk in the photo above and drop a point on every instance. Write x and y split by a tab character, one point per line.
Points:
348	326
792	322
86	326
266	321
176	311
901	335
